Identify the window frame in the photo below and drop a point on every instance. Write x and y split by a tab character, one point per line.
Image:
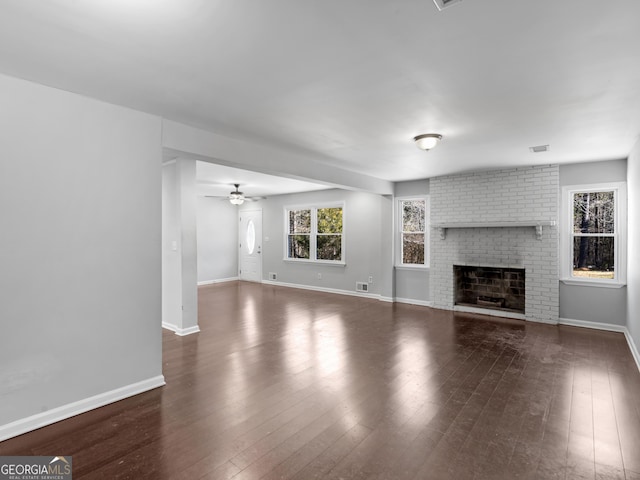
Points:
313	235
399	264
567	234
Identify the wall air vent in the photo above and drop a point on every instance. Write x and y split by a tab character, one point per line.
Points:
539	148
362	287
442	4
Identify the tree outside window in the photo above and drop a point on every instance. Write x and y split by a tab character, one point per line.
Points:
315	234
413	231
594	237
594	234
299	237
329	234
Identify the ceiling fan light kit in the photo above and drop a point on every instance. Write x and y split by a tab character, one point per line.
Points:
236	197
427	141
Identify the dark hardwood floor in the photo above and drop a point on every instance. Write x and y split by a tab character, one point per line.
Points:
291	384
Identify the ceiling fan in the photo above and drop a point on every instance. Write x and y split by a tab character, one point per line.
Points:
236	197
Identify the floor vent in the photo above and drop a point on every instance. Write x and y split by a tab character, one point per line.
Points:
362	287
442	4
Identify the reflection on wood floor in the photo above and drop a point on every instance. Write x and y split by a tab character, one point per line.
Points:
284	383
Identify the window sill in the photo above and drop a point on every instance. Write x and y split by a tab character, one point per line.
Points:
412	267
592	283
315	262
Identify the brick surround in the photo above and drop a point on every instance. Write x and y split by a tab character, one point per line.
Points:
514	195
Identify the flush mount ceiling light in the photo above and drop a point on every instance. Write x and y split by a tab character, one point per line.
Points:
236	197
427	141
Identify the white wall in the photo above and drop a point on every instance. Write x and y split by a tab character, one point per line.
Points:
217	240
592	303
179	247
80	186
633	273
362	224
171	257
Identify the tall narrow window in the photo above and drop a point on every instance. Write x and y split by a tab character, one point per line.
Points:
315	234
299	237
413	231
594	232
329	234
595	246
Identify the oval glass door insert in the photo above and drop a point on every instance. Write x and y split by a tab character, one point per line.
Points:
251	237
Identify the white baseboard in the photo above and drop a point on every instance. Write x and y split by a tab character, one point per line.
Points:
181	331
411	301
220	280
322	289
69	410
632	347
594	325
608	327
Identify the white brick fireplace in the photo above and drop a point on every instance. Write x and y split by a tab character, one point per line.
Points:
503	218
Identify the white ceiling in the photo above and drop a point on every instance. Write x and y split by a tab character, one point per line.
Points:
353	81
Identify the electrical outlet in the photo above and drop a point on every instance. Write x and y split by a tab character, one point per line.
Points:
319	276
370	278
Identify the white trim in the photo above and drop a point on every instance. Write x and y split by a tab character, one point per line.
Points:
322	289
313	234
591	283
412	268
397	229
328	263
69	410
411	301
620	236
632	346
220	280
594	325
181	331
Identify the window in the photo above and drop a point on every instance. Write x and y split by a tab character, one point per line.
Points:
413	232
594	237
315	234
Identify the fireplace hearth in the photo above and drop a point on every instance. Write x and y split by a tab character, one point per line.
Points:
490	287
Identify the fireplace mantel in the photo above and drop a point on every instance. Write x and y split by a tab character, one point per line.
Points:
443	227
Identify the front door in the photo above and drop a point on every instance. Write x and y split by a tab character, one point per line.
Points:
250	243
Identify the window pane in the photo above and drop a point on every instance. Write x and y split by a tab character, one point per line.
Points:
251	237
593	212
593	257
299	221
329	247
299	246
413	215
413	248
330	220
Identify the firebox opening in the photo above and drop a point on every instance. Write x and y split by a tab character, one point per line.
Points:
495	288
